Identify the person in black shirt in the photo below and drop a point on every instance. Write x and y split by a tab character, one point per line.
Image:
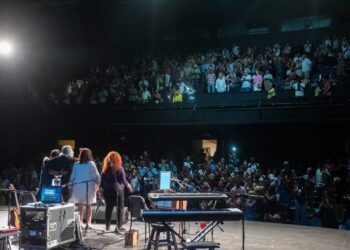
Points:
113	184
61	165
44	174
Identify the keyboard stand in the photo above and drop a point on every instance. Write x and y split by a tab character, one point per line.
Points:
209	227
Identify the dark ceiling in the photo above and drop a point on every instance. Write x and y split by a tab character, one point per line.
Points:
69	22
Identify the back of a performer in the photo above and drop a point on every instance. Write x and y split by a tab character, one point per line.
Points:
113	183
85	180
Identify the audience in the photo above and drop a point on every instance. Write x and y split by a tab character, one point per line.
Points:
307	195
157	79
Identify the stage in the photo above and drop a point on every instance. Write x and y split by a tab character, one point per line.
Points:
259	235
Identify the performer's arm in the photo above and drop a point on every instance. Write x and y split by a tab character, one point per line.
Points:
126	183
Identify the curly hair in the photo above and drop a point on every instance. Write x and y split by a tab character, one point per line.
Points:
113	159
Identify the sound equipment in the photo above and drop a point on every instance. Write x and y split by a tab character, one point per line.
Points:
46	226
186	196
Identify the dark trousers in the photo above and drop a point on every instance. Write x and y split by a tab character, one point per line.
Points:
113	198
66	194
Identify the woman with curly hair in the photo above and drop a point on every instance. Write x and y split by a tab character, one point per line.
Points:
113	183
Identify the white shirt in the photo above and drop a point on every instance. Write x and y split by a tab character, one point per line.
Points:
307	47
84	172
220	85
306	65
246	81
146	95
299	89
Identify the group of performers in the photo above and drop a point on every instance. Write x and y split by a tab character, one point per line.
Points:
80	181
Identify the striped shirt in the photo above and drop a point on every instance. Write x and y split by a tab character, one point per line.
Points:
211	78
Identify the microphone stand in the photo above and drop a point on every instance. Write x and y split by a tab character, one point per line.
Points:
86	197
244	197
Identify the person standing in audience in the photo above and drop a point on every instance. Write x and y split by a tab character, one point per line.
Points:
113	183
257	81
135	182
246	81
85	180
210	79
305	66
220	84
299	88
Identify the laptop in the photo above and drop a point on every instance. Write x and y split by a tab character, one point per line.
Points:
51	194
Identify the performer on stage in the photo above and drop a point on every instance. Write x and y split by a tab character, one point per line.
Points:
113	183
59	166
85	180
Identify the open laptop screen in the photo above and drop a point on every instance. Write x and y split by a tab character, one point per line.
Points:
51	194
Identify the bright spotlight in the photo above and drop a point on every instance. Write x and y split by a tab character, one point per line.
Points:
6	48
234	149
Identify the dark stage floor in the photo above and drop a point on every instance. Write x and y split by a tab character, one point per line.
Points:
259	235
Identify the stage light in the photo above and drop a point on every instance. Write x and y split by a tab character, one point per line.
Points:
6	48
234	149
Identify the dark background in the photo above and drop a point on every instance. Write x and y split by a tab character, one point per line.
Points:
57	41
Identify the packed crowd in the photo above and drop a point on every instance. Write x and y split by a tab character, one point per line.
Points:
309	195
168	79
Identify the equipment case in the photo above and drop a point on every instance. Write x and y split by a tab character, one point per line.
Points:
46	226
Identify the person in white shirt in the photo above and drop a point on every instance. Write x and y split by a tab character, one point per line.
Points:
246	81
299	88
307	47
146	95
305	67
220	84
